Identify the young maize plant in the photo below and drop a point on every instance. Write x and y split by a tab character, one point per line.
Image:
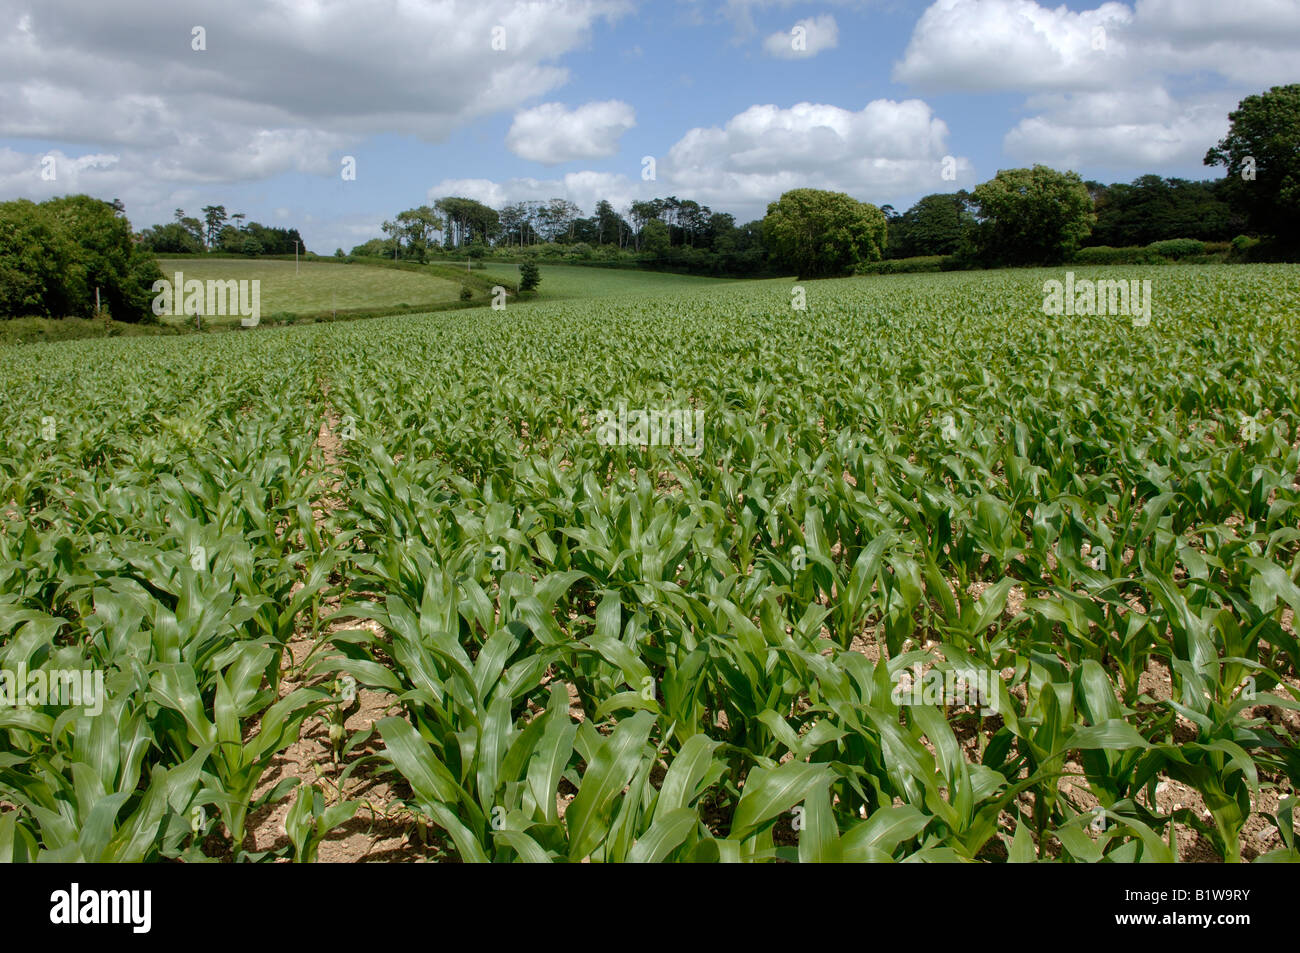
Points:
934	576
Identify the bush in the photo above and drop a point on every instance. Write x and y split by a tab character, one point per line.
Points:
251	247
1108	255
1178	247
1242	244
55	255
903	266
466	293
530	276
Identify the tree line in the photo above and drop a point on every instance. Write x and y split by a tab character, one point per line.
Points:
219	232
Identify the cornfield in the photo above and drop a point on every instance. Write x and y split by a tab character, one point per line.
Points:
621	651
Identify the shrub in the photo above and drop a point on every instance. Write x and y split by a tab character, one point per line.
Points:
902	266
1178	247
466	293
251	247
1109	255
530	276
1242	244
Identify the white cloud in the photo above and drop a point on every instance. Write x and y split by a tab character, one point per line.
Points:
876	153
552	133
805	39
1104	84
1013	44
884	150
280	86
1193	22
1145	128
1023	46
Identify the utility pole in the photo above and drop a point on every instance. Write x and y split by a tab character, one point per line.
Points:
295	258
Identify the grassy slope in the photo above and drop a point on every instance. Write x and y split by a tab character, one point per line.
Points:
319	286
577	281
323	286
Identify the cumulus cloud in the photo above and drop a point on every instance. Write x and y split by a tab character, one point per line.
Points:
279	87
877	153
552	133
1190	23
1014	44
1145	127
1103	83
805	39
1022	45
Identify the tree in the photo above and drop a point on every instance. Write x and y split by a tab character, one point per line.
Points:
418	226
935	225
375	248
530	276
1263	141
720	235
230	238
394	240
54	256
1030	217
466	219
191	225
35	257
822	234
555	219
655	237
1153	209
608	223
214	216
276	241
514	220
170	239
638	214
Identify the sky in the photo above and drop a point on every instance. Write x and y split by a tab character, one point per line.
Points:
333	115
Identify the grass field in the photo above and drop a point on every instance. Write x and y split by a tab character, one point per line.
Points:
561	282
317	286
922	573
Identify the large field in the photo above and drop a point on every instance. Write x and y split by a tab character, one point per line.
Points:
316	286
386	589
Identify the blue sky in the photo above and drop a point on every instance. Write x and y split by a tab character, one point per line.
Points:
881	99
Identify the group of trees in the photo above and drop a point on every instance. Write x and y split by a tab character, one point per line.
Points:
217	231
55	256
670	232
449	223
1039	215
1150	209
